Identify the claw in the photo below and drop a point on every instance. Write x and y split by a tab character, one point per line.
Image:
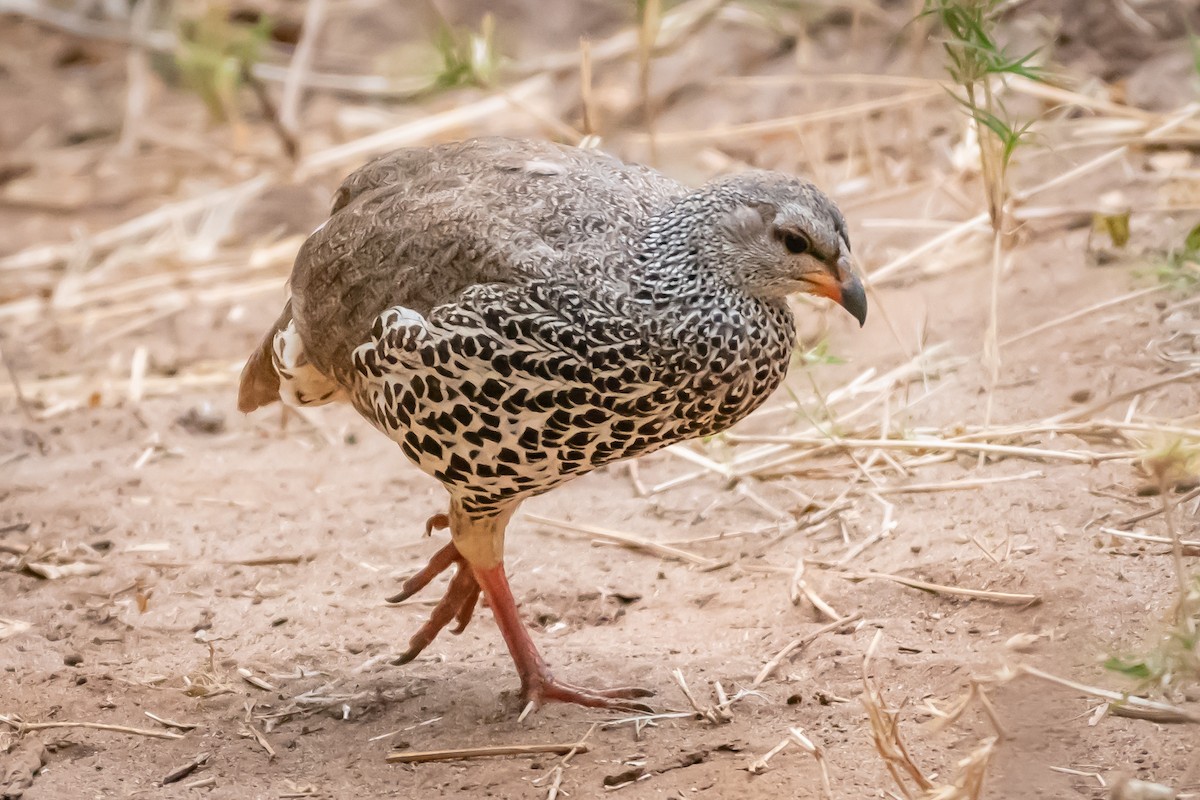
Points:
438	521
440	562
542	688
457	605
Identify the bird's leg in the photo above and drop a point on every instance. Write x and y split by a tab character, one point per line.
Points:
538	685
457	604
481	542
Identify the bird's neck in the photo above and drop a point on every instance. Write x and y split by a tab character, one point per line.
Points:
673	269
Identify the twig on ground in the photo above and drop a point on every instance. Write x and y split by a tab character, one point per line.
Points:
981	594
717	714
625	540
1123	703
954	486
170	723
1100	405
1189	544
797	737
885	730
22	726
422	756
799	588
187	769
954	445
255	681
769	668
250	732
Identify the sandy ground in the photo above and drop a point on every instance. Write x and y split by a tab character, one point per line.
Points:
163	549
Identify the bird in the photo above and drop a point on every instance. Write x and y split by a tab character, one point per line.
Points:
517	313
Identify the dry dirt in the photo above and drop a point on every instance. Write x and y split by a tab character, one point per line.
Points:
207	543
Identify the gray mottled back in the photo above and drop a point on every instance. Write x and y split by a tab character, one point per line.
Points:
416	227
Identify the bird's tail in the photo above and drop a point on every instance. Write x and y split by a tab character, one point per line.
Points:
259	385
279	369
300	383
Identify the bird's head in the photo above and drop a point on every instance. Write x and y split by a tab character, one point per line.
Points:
781	235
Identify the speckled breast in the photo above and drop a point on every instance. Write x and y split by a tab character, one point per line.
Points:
503	397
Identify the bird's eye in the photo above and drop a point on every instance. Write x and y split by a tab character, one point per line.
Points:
796	243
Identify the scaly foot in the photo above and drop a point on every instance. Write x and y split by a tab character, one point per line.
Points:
538	686
458	604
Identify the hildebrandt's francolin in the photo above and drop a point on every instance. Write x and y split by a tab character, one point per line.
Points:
515	314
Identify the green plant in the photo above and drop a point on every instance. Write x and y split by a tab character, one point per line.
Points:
975	61
816	355
215	55
1181	268
468	58
1174	658
1169	462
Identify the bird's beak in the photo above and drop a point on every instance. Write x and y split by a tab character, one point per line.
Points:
844	288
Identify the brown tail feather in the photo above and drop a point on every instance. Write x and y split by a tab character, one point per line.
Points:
260	383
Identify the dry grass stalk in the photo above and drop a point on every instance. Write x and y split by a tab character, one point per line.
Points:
798	588
170	723
716	714
162	218
796	736
885	730
762	764
979	222
960	485
1057	94
1083	312
650	23
626	540
976	693
675	25
23	727
796	644
969	776
1162	712
980	594
423	756
203	783
586	94
950	445
248	731
137	70
1100	405
422	128
792	122
180	773
295	81
255	681
1188	544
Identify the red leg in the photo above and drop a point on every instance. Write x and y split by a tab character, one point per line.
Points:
538	686
458	604
438	564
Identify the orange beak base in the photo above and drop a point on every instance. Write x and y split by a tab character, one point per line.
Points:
849	293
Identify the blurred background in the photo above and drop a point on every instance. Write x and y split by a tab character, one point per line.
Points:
997	475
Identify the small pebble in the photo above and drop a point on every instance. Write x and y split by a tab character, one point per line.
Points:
202	419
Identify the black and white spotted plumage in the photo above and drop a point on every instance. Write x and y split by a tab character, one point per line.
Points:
515	314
